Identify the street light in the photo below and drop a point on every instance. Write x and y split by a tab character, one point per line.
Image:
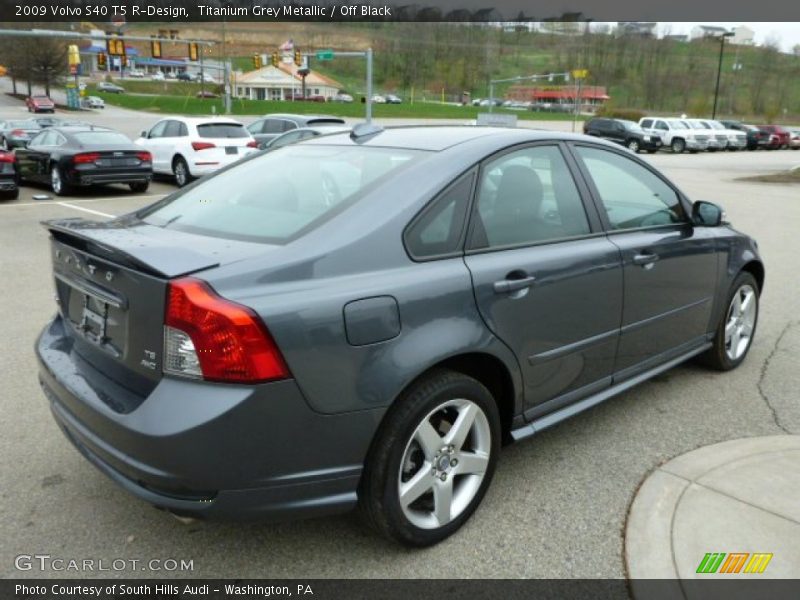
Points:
722	37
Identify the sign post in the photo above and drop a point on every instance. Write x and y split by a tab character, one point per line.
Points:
579	75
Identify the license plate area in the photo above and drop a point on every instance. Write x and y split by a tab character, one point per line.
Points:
231	150
94	319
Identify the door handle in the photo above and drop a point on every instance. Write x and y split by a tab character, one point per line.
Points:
512	285
644	258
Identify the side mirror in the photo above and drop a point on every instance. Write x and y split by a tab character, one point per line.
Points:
143	134
707	214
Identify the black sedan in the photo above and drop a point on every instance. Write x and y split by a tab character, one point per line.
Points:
17	133
626	133
8	176
80	156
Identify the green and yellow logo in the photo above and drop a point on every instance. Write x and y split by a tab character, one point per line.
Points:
734	562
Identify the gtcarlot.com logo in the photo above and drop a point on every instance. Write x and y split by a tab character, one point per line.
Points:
734	562
46	562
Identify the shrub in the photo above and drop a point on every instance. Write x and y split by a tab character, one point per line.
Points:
629	114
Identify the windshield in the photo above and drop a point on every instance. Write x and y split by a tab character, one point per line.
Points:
222	130
101	137
278	196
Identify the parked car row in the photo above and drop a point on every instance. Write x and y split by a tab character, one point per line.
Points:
679	134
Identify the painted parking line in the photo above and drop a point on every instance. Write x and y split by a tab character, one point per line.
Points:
88	210
46	202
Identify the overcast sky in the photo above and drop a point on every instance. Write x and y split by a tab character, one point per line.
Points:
787	33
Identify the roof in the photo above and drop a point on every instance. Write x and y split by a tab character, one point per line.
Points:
301	118
313	77
202	120
437	138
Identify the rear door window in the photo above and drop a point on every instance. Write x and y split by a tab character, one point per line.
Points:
525	197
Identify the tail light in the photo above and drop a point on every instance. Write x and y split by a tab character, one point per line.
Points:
6	157
209	337
252	144
85	157
17	133
202	145
144	156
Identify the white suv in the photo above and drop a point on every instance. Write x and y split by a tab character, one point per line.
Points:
675	134
734	140
192	147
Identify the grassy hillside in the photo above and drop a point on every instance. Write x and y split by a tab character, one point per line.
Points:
427	59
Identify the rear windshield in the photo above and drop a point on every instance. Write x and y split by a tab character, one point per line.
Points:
280	195
101	137
325	121
222	130
24	124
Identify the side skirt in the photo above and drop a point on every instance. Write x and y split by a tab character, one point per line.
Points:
553	418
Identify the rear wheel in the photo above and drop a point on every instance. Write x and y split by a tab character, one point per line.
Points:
57	183
139	186
737	326
432	460
181	171
678	146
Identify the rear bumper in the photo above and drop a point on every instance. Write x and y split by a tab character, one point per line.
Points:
103	176
7	184
209	450
201	165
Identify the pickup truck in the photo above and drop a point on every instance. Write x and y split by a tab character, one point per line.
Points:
675	134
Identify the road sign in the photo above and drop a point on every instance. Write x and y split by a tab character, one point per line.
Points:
324	54
580	73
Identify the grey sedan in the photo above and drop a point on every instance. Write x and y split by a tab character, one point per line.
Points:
364	319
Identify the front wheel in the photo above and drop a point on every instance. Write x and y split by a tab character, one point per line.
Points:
678	146
432	459
633	146
736	329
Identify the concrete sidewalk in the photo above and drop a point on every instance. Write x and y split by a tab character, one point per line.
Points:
740	496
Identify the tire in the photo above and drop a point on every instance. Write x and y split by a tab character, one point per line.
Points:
4	145
633	146
12	195
652	151
720	356
57	183
139	187
678	146
181	172
399	455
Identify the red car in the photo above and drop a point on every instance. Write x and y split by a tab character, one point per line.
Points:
40	104
778	136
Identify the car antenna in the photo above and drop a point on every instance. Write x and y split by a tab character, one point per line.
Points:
363	132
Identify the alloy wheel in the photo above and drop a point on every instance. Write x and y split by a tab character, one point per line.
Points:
633	146
180	173
740	322
444	463
55	180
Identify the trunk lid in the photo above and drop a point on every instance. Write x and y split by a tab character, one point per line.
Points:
111	282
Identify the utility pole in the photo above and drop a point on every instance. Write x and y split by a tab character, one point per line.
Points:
226	74
722	37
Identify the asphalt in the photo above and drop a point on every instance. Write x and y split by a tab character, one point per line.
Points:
559	503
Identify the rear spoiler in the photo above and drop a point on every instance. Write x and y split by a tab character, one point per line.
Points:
132	243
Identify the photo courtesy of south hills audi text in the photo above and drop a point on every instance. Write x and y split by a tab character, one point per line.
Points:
76	591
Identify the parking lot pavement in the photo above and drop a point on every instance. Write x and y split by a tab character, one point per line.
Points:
556	509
